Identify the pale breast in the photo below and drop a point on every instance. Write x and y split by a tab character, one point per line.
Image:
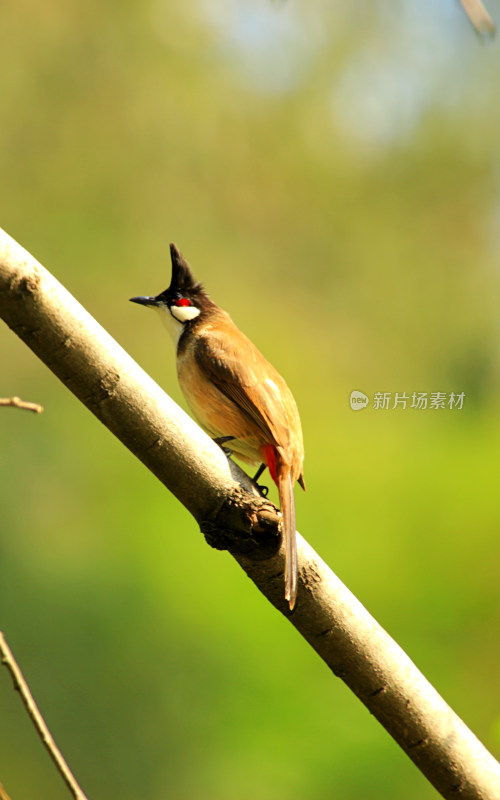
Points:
216	413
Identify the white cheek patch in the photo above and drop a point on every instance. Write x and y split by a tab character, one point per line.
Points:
184	313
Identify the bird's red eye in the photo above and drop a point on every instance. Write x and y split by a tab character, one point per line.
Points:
183	301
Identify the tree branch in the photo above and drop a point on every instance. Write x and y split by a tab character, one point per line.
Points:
3	793
31	707
16	402
479	16
216	492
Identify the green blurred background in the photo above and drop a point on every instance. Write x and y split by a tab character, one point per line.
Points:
332	173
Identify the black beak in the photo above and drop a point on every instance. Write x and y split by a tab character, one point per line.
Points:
145	301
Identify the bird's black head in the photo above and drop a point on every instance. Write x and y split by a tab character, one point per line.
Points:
183	301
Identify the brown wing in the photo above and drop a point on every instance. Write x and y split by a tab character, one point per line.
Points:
230	360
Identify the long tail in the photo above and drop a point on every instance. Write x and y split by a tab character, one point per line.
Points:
282	476
287	503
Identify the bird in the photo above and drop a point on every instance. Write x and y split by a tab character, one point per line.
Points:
235	394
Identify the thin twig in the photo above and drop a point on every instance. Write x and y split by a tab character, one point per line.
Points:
22	687
16	402
3	793
479	16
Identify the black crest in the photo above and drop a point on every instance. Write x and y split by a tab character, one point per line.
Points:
182	285
183	281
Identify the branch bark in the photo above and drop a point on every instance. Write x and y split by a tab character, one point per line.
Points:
225	504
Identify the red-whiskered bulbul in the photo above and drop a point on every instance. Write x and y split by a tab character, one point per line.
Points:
234	393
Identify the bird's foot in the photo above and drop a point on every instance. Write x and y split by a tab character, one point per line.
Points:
259	472
264	490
